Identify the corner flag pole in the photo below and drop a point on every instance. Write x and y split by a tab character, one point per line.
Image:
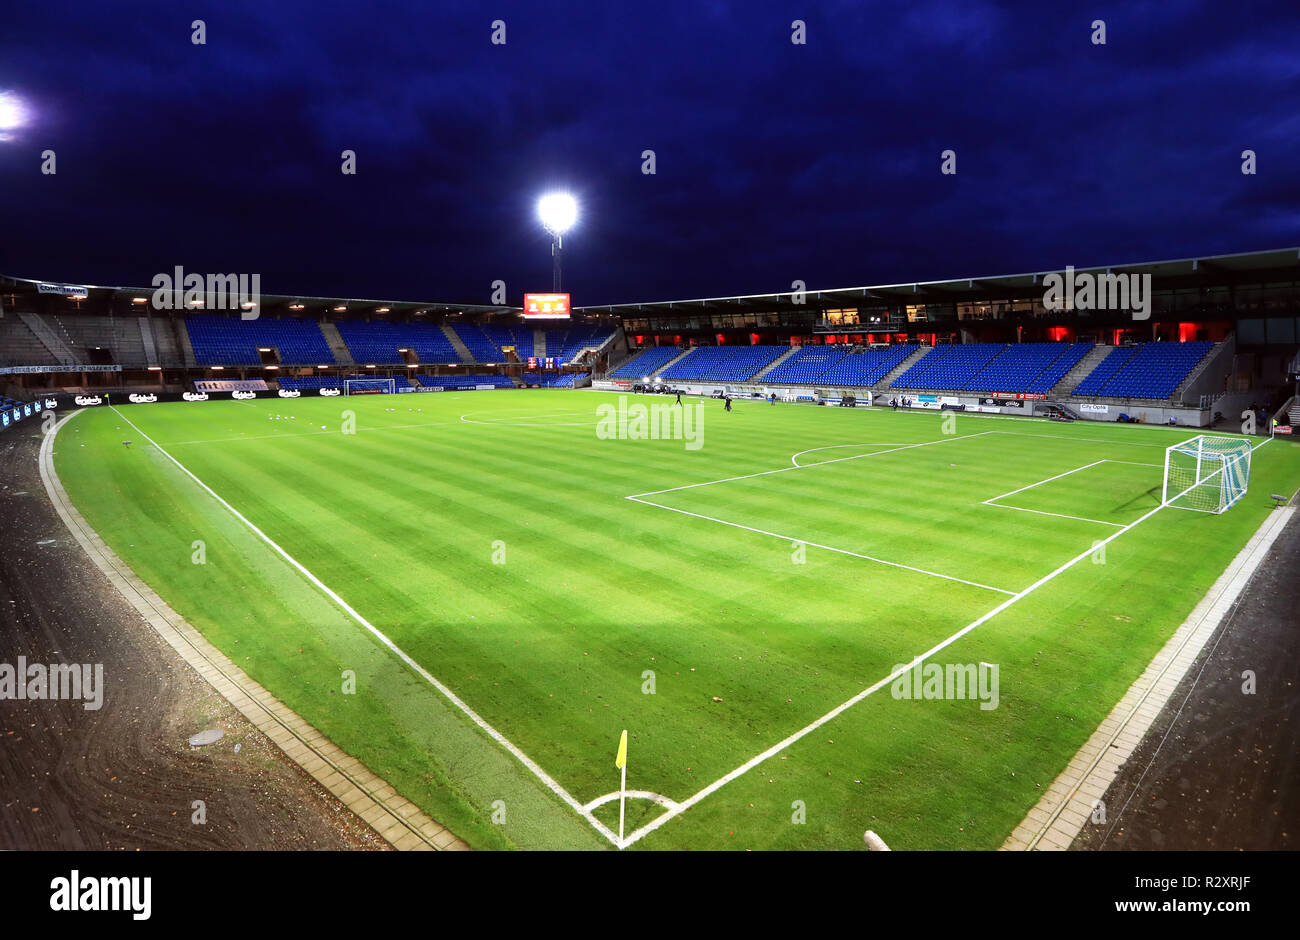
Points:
621	762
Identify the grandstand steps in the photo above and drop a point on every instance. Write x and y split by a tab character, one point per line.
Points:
334	339
892	375
150	347
676	359
1081	369
19	345
457	344
539	344
183	343
1206	361
792	351
57	347
1293	412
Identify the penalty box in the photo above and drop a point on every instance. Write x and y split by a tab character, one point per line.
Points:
1105	492
915	508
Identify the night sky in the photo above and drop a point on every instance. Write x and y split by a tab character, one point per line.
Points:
775	161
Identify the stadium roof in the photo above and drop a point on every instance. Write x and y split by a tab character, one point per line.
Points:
1182	272
275	302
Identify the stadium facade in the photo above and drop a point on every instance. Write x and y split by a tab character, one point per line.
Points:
1182	339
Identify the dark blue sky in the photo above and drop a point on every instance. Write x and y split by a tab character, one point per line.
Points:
775	161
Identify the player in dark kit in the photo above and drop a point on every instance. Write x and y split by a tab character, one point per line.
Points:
727	399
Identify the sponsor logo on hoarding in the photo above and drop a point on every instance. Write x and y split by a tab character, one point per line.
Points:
290	393
64	290
86	400
141	399
51	403
330	392
1090	408
194	396
243	396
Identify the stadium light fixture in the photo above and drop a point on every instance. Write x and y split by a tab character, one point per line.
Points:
558	213
13	114
139	300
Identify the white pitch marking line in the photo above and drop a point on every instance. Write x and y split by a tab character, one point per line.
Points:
838	710
822	463
835	712
634	794
829	548
401	654
795	459
989	502
1059	515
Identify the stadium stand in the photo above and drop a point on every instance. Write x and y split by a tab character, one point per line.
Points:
464	381
696	363
378	342
865	367
477	342
645	363
1151	370
232	341
806	366
1027	367
502	336
565	345
563	380
292	382
949	367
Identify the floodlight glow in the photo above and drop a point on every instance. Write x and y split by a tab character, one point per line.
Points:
13	114
558	212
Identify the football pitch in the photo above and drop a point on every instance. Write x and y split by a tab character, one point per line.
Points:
475	593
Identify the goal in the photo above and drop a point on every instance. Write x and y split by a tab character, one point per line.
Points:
1206	473
369	386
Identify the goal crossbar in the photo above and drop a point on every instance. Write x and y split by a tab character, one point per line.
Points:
1206	473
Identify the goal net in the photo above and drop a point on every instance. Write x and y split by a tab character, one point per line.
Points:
1206	474
369	386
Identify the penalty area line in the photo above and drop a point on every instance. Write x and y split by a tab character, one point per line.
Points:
829	548
550	783
875	687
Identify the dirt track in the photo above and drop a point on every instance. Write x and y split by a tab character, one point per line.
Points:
1220	769
124	777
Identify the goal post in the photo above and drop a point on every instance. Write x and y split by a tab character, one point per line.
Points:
1206	473
386	386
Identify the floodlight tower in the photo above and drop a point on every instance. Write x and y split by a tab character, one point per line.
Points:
558	212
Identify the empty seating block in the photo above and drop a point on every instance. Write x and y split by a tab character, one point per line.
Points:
1028	367
949	367
565	345
644	364
865	367
232	341
805	366
1152	370
378	342
464	381
478	344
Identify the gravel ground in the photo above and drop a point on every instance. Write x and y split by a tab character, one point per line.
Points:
1220	769
125	777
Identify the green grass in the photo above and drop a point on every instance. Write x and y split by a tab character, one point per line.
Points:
406	518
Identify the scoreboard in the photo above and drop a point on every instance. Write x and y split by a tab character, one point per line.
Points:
546	306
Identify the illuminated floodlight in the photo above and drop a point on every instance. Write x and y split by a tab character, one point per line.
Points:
13	114
558	212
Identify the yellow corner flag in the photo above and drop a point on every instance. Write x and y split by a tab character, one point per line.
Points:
621	760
